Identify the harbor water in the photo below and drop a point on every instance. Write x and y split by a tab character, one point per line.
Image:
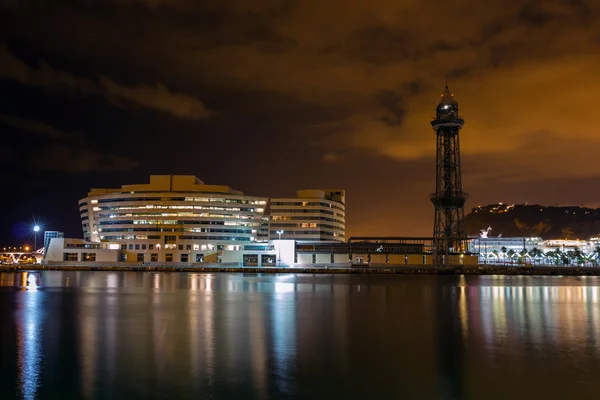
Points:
125	335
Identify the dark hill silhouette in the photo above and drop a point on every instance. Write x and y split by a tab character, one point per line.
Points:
535	220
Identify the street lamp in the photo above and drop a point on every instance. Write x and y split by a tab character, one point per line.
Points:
36	229
279	248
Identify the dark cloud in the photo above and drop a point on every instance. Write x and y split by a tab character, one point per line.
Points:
64	151
35	127
65	158
156	97
309	93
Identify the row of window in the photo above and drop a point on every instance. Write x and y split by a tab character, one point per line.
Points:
303	218
307	225
251	260
171	222
307	204
168	257
224	238
359	260
82	245
182	237
84	257
194	199
235	217
318	232
161	229
275	212
196	230
173	207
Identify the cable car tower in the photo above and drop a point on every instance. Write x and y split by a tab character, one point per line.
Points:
449	199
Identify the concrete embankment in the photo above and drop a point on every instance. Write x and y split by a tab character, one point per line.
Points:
216	269
372	269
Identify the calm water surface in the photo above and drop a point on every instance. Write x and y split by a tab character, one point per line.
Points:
100	335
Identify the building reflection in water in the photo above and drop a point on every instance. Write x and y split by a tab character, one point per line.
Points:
201	329
540	315
89	342
530	324
29	326
283	322
217	335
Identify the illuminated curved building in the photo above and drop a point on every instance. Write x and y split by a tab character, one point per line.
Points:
173	218
313	215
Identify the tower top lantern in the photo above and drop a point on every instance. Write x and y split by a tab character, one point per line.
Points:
448	106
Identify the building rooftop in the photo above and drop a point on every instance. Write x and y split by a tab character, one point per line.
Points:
169	183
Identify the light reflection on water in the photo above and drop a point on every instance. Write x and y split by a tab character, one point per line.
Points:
156	335
29	312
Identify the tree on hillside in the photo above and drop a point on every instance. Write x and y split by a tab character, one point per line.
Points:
534	229
588	229
567	233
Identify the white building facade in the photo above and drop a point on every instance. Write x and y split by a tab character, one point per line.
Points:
174	218
179	218
313	215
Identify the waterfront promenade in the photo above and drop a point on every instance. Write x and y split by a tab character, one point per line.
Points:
319	269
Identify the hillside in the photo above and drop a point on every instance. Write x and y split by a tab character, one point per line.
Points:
534	220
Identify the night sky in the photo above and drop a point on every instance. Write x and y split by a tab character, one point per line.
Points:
273	96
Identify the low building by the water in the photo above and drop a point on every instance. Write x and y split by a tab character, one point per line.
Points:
284	253
501	250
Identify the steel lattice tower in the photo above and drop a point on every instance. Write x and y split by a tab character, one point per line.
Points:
448	199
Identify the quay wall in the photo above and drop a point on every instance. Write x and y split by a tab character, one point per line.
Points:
315	269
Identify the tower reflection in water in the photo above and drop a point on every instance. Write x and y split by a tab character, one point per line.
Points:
253	336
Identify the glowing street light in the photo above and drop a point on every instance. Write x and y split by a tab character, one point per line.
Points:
279	248
36	229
